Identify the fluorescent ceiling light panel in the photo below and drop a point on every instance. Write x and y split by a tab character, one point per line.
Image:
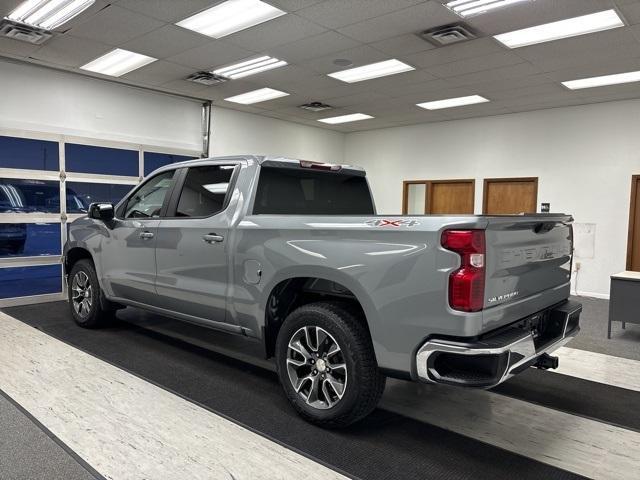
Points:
615	79
255	96
250	67
571	27
230	17
452	102
48	14
373	70
468	8
118	62
354	117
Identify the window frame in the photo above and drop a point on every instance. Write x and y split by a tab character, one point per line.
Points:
181	176
122	206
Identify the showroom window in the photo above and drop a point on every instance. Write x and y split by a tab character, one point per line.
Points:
47	183
154	160
204	191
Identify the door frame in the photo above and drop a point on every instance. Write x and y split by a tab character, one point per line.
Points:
635	179
485	189
429	192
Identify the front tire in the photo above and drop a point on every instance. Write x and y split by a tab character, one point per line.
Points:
89	308
327	366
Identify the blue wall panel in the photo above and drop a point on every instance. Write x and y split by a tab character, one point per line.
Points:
80	194
101	160
28	153
25	281
29	239
154	160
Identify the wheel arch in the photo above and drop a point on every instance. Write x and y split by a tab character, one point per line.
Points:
301	288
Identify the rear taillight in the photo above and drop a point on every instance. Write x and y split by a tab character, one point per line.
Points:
466	284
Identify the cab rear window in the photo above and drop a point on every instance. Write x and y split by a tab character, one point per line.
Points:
291	191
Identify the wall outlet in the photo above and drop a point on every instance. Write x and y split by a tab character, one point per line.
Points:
578	266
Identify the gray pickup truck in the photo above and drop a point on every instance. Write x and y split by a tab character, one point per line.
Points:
290	256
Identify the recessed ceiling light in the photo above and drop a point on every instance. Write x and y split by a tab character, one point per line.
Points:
468	8
255	96
452	102
250	67
615	79
230	17
353	117
118	62
373	70
48	14
571	27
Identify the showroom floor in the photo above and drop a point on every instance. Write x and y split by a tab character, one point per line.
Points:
136	401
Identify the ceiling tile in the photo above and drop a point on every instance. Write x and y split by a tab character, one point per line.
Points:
293	5
356	99
115	25
167	10
550	88
477	64
402	45
452	53
166	42
611	66
276	32
186	88
158	73
631	13
282	75
14	47
229	89
338	13
409	20
512	71
70	51
313	47
213	54
362	55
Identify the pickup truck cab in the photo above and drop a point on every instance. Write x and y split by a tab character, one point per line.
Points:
291	256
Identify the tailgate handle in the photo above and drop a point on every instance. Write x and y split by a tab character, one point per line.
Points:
544	227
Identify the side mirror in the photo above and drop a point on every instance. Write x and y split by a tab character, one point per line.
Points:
102	211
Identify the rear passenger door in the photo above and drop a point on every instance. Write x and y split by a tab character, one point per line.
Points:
192	255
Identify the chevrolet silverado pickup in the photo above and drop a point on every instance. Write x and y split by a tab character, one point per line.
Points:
291	256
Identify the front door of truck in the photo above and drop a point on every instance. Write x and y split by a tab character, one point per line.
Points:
128	252
192	248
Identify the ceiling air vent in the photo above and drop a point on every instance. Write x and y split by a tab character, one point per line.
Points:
316	106
22	32
448	34
206	78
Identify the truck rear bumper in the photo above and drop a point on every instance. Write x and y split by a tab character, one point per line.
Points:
501	354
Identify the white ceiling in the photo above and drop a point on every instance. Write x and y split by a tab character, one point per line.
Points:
316	32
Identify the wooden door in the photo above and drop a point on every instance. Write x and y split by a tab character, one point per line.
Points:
510	195
633	246
450	196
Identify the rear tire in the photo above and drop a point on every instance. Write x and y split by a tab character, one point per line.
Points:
327	366
89	307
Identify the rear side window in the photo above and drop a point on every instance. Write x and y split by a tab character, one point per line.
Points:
204	191
301	192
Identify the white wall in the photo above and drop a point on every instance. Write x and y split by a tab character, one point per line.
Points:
235	132
44	100
584	157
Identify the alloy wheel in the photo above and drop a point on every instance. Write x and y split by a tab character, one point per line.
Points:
82	294
316	367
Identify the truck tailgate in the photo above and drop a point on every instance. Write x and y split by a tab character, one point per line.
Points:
526	255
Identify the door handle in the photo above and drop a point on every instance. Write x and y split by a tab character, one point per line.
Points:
212	238
146	235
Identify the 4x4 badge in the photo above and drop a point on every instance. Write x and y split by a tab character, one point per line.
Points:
392	222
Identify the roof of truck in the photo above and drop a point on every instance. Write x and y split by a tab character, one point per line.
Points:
260	159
